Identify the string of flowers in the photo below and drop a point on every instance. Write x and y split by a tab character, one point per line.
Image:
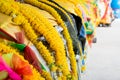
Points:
46	30
20	20
7	49
61	56
65	32
48	2
58	47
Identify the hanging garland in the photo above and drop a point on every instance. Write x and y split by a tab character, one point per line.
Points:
60	53
60	22
52	4
49	32
20	20
41	29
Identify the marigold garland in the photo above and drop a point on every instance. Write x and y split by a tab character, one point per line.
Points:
50	3
61	56
57	45
49	32
20	20
63	62
65	32
42	49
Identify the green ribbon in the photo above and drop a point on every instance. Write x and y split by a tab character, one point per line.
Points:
43	68
18	46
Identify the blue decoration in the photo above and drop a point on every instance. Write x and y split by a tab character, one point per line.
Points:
83	62
82	32
115	4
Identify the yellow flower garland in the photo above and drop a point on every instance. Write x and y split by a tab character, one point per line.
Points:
48	31
59	48
26	11
53	33
65	32
7	49
42	49
20	20
76	10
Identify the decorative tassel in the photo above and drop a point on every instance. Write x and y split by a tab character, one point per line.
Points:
31	57
20	37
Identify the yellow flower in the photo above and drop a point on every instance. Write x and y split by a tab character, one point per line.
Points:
5	49
46	75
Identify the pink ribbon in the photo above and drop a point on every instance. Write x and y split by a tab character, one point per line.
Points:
12	74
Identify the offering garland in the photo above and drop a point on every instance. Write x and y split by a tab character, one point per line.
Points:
46	30
60	22
20	20
56	42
